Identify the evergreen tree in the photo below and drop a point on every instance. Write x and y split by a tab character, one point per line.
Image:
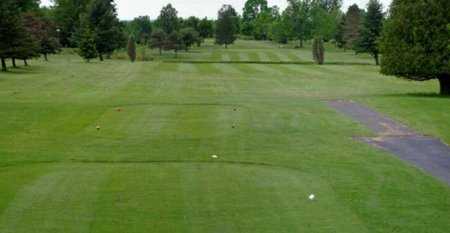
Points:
15	41
226	26
131	49
352	26
339	36
10	27
168	19
158	39
102	18
68	14
415	41
86	44
371	30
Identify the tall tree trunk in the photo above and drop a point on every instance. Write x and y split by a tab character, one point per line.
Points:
4	65
226	45
14	62
45	57
444	80
100	56
160	51
25	62
301	43
377	59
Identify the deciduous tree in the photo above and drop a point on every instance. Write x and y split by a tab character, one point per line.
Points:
226	26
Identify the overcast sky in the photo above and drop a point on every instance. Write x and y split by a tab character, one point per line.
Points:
128	9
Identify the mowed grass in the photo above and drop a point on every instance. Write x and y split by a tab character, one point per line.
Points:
150	168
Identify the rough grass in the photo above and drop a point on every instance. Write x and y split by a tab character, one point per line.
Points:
149	167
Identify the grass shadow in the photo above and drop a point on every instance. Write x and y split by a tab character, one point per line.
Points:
418	95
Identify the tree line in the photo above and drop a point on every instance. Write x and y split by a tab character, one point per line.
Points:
26	32
411	40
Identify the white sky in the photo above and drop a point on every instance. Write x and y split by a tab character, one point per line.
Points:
128	9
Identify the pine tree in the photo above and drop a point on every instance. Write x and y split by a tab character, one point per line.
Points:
87	48
168	19
415	41
11	30
352	26
226	26
132	49
371	30
339	36
102	18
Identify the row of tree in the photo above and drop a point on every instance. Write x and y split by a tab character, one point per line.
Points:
25	32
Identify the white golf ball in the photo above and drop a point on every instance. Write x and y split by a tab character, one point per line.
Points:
312	197
215	156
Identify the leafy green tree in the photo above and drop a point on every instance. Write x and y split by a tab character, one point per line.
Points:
371	30
251	12
415	41
131	49
299	11
206	28
192	22
141	29
168	19
86	44
189	36
328	5
324	23
158	39
226	26
352	26
174	42
280	31
108	34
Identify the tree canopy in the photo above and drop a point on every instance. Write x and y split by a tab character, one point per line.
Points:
226	25
415	41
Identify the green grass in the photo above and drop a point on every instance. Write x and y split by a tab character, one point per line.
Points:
149	167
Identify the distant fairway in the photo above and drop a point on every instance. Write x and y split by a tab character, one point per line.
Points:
149	167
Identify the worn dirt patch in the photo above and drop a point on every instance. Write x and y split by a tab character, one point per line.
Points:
427	153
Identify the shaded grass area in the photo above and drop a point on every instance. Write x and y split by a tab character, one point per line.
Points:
149	167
